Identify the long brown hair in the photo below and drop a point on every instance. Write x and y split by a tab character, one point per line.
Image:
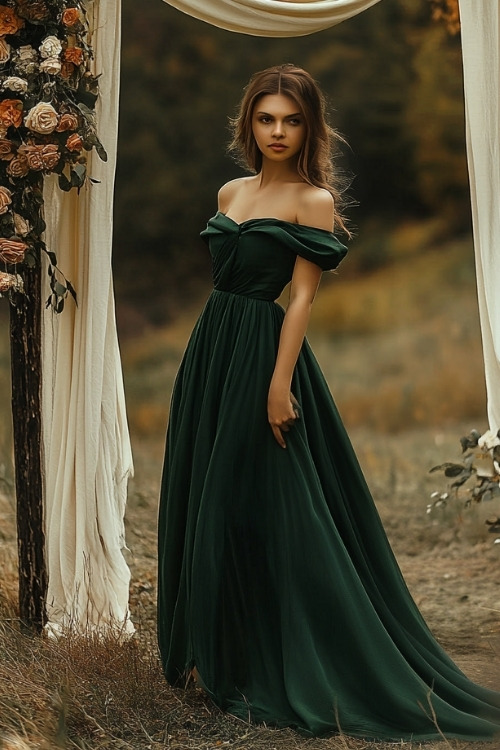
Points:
315	159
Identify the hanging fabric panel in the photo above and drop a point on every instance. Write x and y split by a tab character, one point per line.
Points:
272	17
86	441
481	60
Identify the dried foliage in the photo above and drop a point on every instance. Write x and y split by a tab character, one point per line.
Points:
447	11
476	478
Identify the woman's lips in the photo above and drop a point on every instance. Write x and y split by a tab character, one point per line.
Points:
278	146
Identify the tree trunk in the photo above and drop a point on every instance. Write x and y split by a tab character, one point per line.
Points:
25	336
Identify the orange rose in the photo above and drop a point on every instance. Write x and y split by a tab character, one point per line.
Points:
67	69
70	17
6	150
73	55
40	157
12	251
18	167
67	121
74	142
5	199
11	112
10	23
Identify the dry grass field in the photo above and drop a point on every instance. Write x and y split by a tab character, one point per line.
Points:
402	354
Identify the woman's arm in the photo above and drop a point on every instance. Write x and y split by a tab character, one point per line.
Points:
305	280
280	409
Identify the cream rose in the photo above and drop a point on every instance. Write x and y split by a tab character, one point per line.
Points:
10	281
4	51
50	47
21	225
5	199
51	65
489	440
42	118
14	83
26	59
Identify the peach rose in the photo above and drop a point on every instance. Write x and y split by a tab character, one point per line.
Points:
67	121
10	23
18	167
70	17
8	281
73	55
74	142
4	51
42	118
5	199
40	157
6	149
12	251
11	113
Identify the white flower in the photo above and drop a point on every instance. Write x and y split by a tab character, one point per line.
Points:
42	118
50	47
51	65
26	59
14	83
489	440
27	53
4	50
22	225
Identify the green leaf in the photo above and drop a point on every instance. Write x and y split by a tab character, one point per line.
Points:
64	183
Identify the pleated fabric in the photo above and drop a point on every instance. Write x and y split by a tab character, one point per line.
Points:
86	442
276	18
276	578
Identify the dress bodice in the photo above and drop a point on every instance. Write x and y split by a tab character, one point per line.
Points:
256	258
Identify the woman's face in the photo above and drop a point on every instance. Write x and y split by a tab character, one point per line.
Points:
278	126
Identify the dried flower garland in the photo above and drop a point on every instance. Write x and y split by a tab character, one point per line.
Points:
47	125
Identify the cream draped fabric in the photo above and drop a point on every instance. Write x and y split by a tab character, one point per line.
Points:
481	59
86	442
272	17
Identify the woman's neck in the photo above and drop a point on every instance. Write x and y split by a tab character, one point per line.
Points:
272	172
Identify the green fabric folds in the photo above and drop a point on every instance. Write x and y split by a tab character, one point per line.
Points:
275	575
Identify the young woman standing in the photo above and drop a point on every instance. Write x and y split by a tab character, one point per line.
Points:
276	580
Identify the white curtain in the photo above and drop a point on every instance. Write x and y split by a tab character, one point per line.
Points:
86	442
481	60
272	17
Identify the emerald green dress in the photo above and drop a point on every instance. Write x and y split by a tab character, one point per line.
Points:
276	578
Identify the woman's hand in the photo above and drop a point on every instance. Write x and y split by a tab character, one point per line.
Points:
282	411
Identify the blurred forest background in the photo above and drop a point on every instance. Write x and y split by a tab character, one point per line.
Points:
396	330
393	80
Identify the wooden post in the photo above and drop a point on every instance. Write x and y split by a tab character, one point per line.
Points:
25	337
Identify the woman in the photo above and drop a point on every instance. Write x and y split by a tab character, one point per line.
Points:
277	584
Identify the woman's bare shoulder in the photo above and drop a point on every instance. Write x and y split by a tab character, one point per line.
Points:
228	192
316	207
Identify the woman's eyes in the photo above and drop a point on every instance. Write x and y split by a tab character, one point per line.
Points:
268	120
